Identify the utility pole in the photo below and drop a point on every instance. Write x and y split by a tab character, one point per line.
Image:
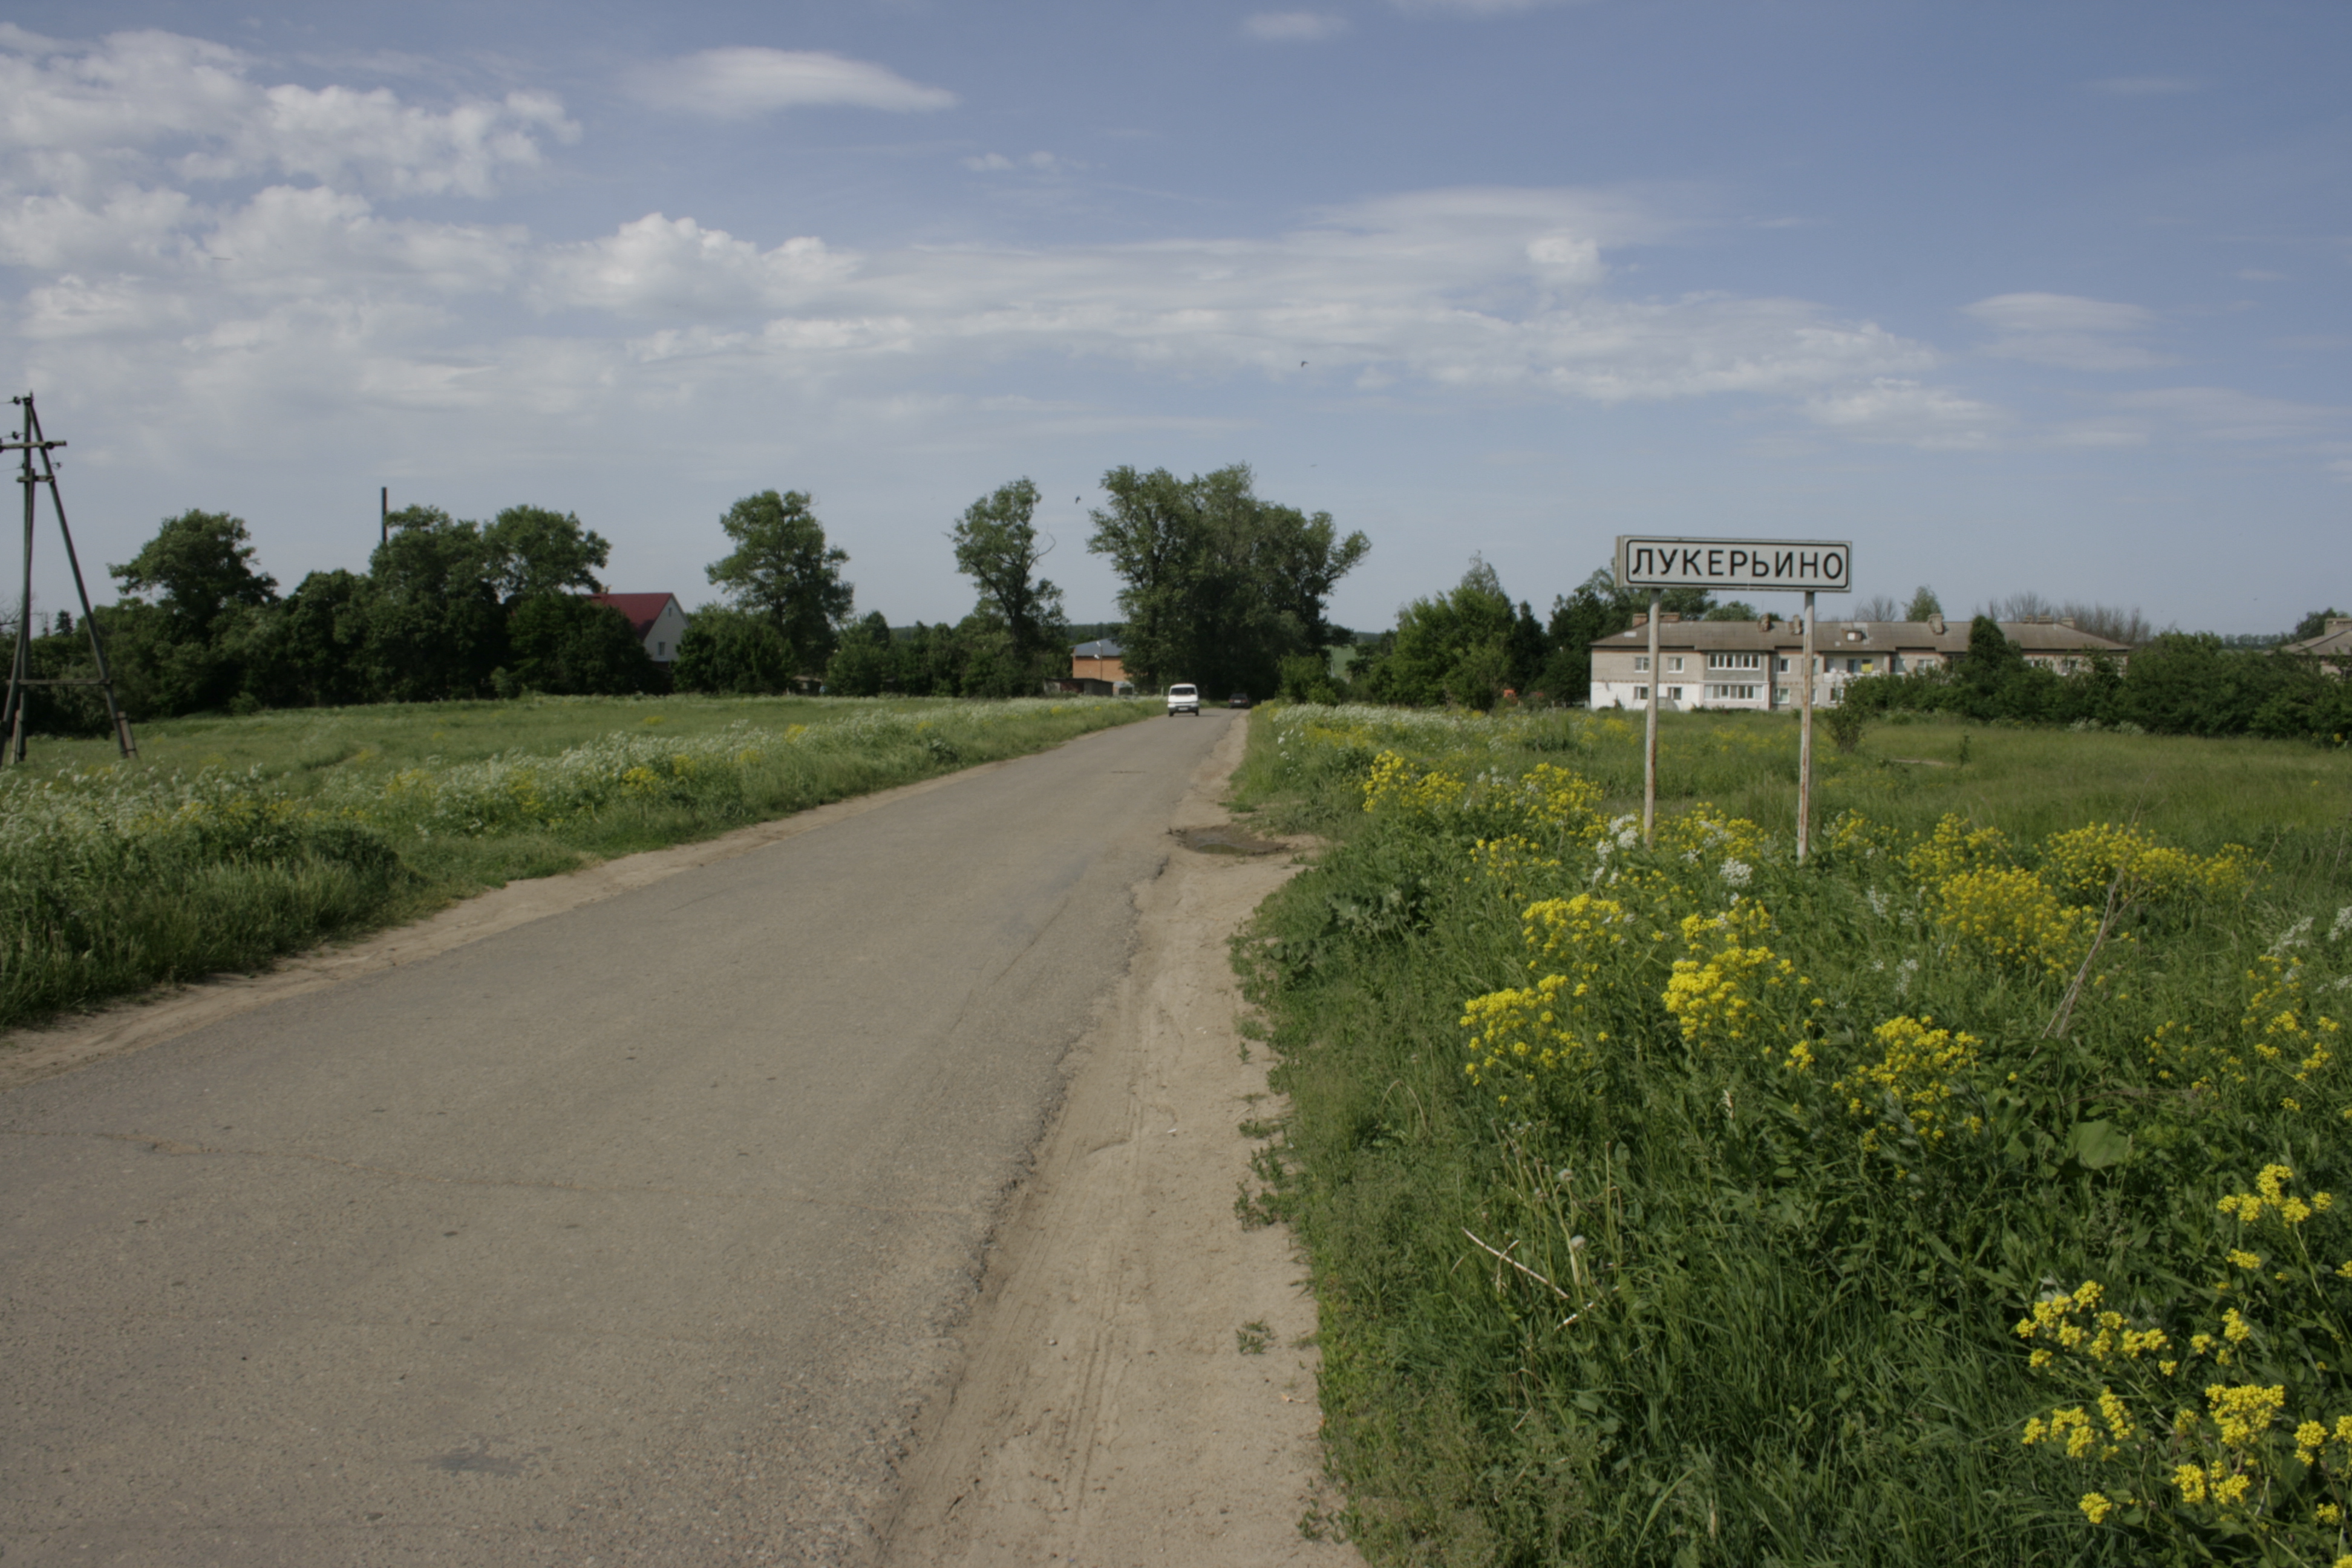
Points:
384	511
27	442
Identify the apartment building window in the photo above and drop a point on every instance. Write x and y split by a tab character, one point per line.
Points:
1641	694
1674	693
1732	693
1780	665
1785	694
1674	665
1641	662
1734	661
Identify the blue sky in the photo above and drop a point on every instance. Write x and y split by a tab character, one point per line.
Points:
2049	297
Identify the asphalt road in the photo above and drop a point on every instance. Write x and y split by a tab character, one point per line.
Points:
634	1234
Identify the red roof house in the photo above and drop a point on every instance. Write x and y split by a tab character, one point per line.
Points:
658	618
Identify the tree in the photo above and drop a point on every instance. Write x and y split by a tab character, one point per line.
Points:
996	547
733	651
198	567
2314	624
567	645
533	551
435	628
1877	608
862	665
1923	604
1991	657
1528	649
186	592
2110	621
2022	606
782	570
321	636
1601	607
1454	647
1741	610
1220	586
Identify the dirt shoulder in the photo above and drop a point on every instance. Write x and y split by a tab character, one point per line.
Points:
1139	1386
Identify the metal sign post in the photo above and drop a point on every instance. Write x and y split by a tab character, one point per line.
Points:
1748	565
1650	742
1805	744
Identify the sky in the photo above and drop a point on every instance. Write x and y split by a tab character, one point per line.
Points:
2053	297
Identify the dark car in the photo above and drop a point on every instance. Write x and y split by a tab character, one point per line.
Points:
1238	699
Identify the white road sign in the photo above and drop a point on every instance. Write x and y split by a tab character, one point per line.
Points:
1820	565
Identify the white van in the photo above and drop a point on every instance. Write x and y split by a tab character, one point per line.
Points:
1184	700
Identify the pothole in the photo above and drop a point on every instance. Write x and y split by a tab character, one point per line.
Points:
1224	841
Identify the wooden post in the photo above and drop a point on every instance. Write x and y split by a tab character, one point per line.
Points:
1650	744
384	513
1805	743
20	657
34	440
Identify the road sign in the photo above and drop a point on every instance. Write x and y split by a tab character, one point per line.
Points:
1737	565
1806	566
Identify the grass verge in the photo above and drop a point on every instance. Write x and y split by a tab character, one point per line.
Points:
234	840
1958	1197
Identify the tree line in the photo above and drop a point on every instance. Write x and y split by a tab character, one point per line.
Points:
2177	683
1219	585
1473	646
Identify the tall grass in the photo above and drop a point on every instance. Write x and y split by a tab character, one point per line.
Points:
114	877
1634	1245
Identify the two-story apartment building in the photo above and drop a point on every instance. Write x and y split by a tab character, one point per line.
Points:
1758	664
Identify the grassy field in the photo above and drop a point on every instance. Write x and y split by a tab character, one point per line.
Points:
229	841
1961	1196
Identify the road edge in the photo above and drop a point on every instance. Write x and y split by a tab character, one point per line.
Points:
137	1023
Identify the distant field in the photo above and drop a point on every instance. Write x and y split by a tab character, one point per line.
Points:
228	841
2290	800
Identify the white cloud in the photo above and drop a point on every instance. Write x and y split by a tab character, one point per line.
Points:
2067	331
1293	27
1903	412
2144	86
1486	289
744	82
660	266
1502	292
2224	413
127	228
1478	7
80	119
1036	163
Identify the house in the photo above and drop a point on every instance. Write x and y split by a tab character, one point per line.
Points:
658	618
1750	664
2332	647
1096	667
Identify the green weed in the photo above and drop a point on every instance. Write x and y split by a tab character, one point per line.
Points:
231	841
1681	1203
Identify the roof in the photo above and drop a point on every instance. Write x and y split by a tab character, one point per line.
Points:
1883	636
642	609
2336	640
1102	647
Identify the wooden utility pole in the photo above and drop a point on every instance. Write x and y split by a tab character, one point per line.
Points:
26	443
384	513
